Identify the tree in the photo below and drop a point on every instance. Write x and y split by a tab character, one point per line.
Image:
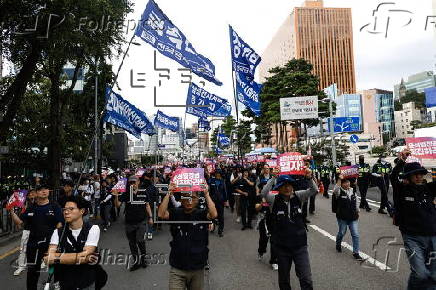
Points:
411	96
244	138
294	79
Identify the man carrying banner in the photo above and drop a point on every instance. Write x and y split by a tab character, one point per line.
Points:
288	235
189	247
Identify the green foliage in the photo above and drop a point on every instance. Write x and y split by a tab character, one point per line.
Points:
411	96
244	139
378	150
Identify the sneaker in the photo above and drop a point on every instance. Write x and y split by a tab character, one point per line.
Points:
238	220
357	257
259	257
275	267
57	285
382	211
150	236
105	229
144	263
338	248
368	209
19	271
135	267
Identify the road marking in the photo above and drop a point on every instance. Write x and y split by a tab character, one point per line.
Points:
367	258
10	252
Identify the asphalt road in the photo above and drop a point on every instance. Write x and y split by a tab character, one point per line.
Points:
234	263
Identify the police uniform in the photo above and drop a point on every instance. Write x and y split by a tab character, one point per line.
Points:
382	171
363	183
325	173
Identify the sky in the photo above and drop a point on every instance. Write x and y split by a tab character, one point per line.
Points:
380	62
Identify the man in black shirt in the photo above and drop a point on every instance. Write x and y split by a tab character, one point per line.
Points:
137	212
245	187
189	252
42	218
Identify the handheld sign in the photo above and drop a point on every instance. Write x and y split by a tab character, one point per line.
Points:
291	163
17	199
121	185
350	171
193	177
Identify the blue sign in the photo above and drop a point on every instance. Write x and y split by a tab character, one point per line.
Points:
354	138
126	116
430	97
203	124
223	139
216	106
248	92
164	121
244	58
157	29
346	124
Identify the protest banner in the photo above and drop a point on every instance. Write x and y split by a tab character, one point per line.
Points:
272	163
121	185
291	163
17	199
350	171
140	172
194	177
422	147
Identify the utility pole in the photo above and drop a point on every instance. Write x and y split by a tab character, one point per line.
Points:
332	129
96	125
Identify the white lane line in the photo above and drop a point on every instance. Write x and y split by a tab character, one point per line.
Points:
368	259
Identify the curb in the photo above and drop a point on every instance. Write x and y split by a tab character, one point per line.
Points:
10	238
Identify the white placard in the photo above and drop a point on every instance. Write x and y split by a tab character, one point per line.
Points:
299	108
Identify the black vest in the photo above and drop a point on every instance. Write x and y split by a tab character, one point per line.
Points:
346	207
74	276
288	227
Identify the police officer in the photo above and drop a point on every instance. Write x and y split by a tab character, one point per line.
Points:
363	182
189	247
381	171
137	210
288	228
325	174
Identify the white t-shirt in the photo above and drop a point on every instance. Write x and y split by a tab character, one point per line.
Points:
92	240
96	189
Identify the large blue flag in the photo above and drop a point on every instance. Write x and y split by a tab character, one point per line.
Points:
216	106
126	116
157	29
244	58
167	122
203	124
248	92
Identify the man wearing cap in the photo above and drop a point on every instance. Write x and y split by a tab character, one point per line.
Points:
288	235
138	211
218	192
415	214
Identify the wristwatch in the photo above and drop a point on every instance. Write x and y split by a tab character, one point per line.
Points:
57	261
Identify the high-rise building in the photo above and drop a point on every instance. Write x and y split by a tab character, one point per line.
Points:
418	82
324	37
349	105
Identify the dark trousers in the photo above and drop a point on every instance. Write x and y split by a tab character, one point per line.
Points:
105	213
263	243
311	204
326	183
246	211
34	257
383	185
232	201
219	205
135	234
363	189
300	257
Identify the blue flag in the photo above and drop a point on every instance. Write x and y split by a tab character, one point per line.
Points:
248	92
244	58
126	116
203	124
223	139
430	97
157	29
164	121
216	106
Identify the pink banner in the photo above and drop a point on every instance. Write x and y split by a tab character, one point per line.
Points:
422	147
140	172
17	199
121	185
189	176
350	171
291	163
272	163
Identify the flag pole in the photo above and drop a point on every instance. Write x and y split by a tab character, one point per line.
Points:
236	102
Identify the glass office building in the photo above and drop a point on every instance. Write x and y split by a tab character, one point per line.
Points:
349	105
385	113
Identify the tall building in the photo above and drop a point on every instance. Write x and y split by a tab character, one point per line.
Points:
324	37
349	105
418	82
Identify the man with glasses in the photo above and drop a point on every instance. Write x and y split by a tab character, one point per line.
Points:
137	212
42	218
